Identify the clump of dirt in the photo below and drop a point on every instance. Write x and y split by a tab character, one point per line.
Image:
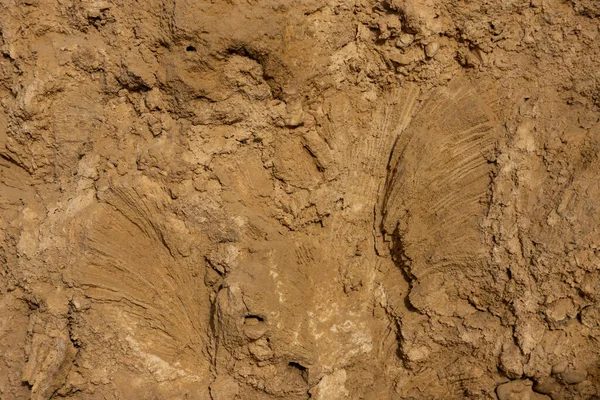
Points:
290	200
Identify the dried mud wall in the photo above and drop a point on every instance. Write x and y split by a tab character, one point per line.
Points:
288	200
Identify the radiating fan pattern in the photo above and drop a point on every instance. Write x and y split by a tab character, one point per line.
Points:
438	181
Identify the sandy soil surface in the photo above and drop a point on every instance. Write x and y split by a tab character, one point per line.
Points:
256	200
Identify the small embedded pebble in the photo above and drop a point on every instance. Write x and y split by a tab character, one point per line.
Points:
260	349
559	367
37	328
405	57
506	390
401	59
547	385
518	390
254	327
431	49
295	114
573	376
405	40
153	99
80	303
511	361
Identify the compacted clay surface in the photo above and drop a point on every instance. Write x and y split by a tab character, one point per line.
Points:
243	199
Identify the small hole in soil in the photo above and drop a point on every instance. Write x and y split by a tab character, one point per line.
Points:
296	365
300	368
190	48
253	320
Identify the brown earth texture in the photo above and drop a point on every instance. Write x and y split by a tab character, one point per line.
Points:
315	199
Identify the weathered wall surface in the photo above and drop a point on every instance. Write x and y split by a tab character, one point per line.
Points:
288	200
